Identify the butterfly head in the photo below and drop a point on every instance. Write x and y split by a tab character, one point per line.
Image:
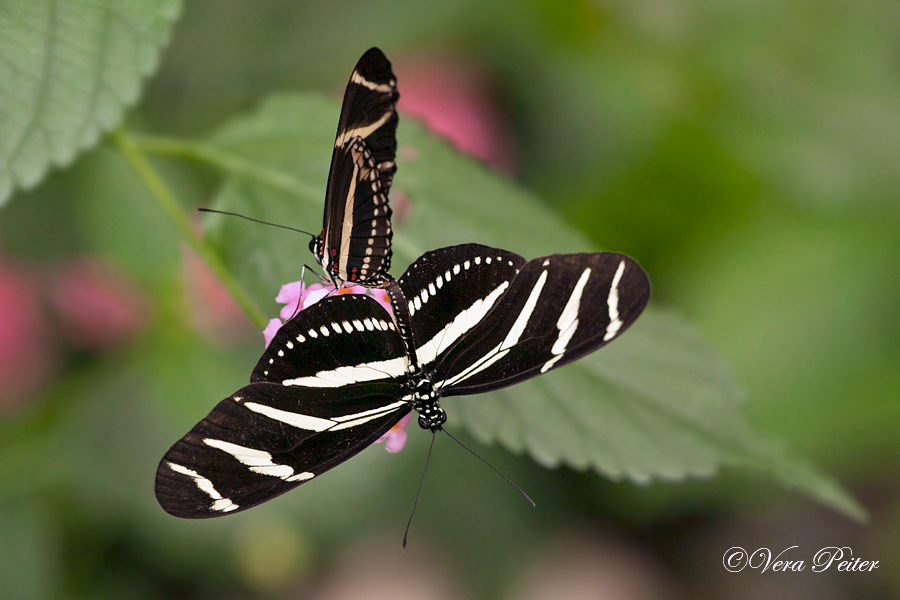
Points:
431	415
315	246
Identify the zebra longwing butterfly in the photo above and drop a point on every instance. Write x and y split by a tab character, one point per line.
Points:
355	243
340	374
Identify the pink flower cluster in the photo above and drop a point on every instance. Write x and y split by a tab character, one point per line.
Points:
454	100
81	305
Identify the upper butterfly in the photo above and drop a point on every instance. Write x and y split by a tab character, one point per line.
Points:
355	243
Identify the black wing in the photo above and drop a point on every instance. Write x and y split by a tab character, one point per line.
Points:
333	335
266	439
329	385
450	290
355	243
557	309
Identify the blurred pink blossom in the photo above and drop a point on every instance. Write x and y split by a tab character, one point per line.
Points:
96	305
211	308
28	354
454	100
401	206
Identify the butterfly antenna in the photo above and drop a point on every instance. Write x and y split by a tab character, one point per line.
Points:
419	490
231	214
302	288
493	468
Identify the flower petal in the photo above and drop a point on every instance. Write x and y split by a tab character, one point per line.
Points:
290	293
270	330
395	438
395	442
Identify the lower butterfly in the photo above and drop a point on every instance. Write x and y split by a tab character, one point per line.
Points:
467	319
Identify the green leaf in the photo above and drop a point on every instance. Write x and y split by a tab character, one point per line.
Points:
67	71
657	404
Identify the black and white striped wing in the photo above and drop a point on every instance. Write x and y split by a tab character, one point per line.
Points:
339	375
328	386
340	333
355	243
266	439
557	309
448	291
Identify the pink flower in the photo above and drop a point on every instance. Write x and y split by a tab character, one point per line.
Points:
28	354
296	296
270	330
97	306
453	98
395	438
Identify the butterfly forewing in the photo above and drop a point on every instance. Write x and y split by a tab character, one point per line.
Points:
369	110
355	243
557	309
330	383
266	439
332	336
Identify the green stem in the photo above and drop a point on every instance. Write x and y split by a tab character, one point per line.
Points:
228	163
173	209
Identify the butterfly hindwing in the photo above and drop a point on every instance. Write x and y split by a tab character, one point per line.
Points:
557	309
358	232
355	243
449	290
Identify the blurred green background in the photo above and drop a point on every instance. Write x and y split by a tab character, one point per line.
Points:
744	152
